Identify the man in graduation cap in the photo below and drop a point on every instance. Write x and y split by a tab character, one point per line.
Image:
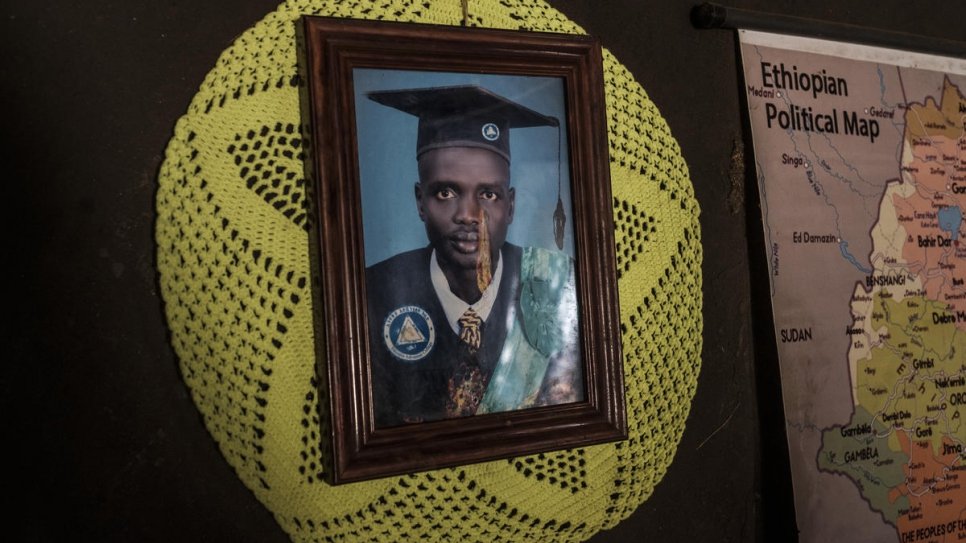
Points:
470	324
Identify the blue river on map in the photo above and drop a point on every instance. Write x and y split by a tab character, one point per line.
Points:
949	219
844	247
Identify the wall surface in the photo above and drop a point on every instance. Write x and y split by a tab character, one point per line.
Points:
107	445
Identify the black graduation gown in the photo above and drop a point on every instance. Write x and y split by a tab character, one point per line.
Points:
415	390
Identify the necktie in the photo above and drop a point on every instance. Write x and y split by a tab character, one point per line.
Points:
470	324
467	385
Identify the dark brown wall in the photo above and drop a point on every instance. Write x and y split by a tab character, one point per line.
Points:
106	443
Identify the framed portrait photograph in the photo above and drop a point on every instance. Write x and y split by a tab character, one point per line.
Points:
464	244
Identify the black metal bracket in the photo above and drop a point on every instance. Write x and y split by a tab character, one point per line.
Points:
711	15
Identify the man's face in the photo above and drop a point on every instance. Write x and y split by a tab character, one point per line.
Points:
457	185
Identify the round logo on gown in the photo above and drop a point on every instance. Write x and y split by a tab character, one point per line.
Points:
409	333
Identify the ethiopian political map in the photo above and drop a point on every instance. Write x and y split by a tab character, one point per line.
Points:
861	161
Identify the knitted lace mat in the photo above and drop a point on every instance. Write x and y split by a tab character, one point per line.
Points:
233	259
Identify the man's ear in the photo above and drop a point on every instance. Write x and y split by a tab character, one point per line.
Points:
418	192
512	197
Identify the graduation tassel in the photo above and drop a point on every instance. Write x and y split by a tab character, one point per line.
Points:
559	215
559	221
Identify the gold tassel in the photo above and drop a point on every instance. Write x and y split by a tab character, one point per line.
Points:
483	264
559	221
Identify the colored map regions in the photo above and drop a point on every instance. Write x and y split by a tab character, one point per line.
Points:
903	447
860	153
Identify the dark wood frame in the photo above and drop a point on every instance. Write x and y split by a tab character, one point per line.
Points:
332	48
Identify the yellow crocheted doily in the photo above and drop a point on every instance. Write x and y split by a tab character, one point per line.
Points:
233	259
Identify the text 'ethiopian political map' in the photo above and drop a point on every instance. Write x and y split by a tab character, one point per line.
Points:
861	161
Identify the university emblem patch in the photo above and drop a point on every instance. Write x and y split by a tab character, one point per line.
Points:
409	333
491	132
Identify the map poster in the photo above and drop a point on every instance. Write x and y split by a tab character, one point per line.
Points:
861	162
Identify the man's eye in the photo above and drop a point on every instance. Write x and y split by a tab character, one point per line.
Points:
445	194
489	195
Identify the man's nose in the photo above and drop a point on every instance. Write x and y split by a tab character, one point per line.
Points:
467	210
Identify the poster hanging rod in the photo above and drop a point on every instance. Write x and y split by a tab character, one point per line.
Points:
710	15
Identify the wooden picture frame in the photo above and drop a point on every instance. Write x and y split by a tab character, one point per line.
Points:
338	53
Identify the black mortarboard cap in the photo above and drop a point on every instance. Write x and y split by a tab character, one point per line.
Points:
462	116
